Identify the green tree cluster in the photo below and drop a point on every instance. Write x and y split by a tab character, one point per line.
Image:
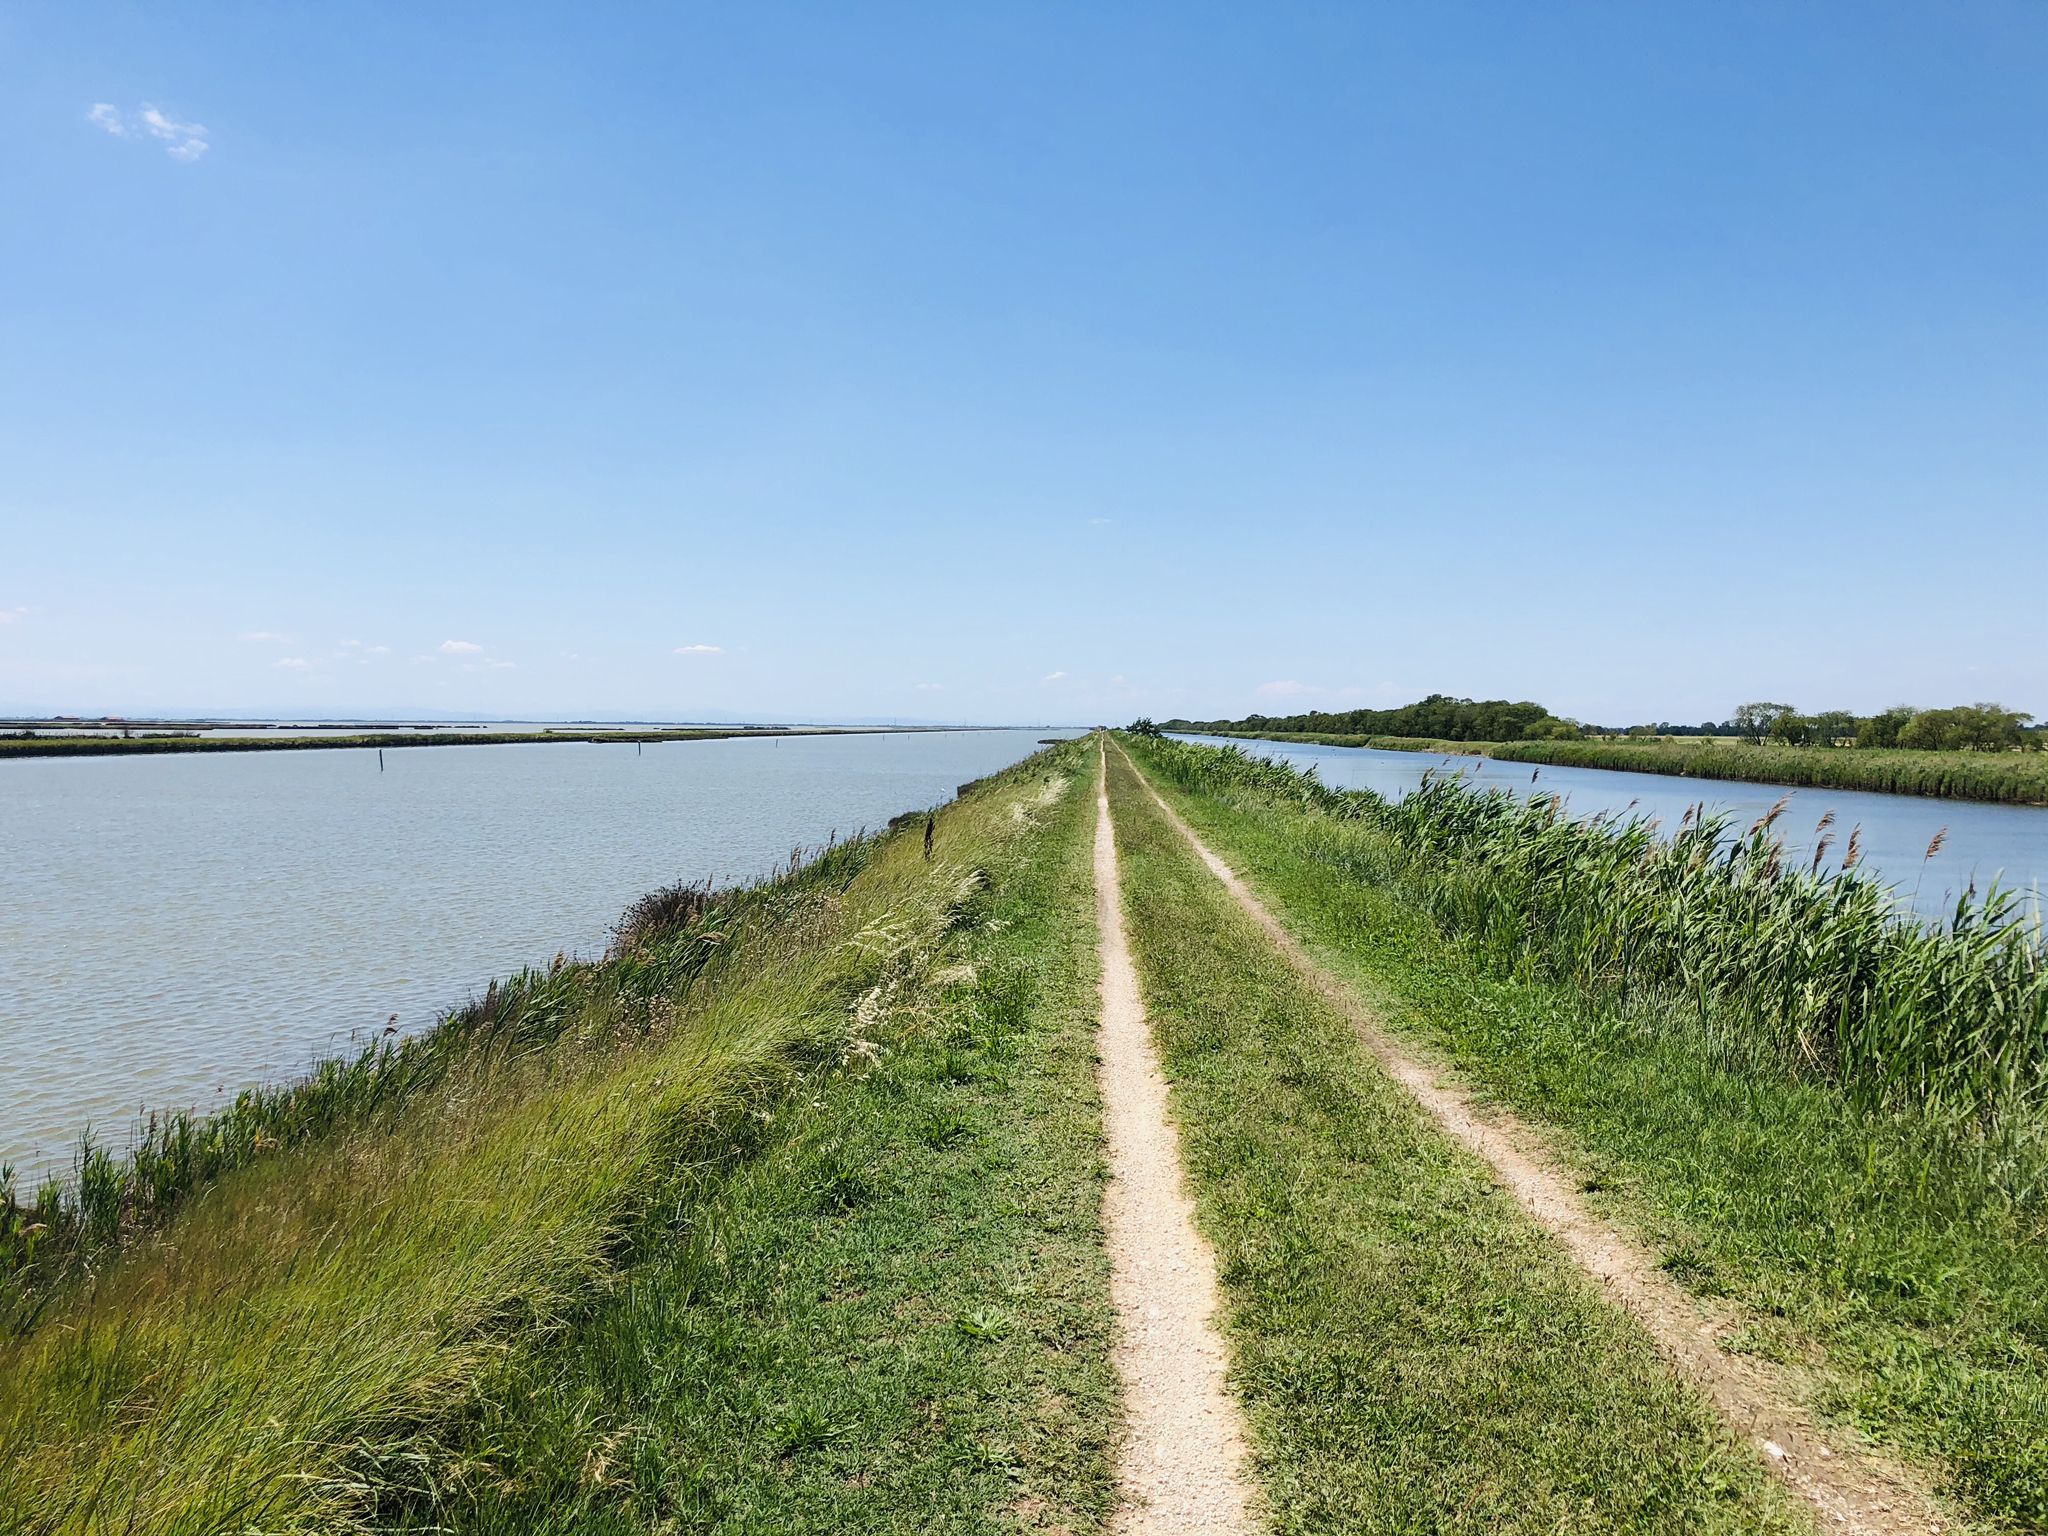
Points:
1963	728
1439	716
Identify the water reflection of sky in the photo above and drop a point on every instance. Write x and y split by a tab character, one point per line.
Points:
175	928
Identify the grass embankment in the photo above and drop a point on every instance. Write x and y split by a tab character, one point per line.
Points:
1869	1201
128	746
1413	1352
786	1216
2013	778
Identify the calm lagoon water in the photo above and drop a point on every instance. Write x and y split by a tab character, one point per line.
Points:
1985	842
174	929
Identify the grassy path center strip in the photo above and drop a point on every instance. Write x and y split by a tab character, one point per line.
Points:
1182	1467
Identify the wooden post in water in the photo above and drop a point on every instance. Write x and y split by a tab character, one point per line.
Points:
380	759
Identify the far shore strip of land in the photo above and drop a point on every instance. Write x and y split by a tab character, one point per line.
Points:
121	746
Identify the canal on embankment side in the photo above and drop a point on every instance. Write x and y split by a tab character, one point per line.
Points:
1980	842
176	928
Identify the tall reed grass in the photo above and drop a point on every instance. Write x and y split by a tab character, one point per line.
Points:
1820	970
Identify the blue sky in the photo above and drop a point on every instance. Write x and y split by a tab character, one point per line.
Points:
1022	363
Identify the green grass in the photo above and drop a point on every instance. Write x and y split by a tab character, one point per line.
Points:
1818	969
893	1317
2018	778
1904	1269
670	938
320	1334
1415	1355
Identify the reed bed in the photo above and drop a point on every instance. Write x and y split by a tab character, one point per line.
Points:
1819	971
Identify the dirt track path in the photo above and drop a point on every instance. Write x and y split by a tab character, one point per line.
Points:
1850	1490
1182	1469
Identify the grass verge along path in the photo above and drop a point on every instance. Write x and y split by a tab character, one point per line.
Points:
1181	1468
804	1240
1413	1352
1849	1489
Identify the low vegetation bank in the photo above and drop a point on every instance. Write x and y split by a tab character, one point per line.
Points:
1820	970
612	1250
2016	778
2012	778
1828	1125
29	744
1414	1355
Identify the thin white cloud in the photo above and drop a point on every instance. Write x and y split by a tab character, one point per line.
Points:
1285	688
495	665
700	650
1053	677
929	687
461	648
12	615
181	140
1099	522
293	664
266	637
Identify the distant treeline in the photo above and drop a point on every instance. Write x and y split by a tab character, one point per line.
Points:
1958	728
1439	716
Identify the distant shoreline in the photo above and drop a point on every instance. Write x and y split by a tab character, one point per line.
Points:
124	746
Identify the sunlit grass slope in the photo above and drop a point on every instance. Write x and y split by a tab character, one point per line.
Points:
317	1335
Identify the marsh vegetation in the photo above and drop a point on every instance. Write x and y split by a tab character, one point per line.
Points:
1828	1120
